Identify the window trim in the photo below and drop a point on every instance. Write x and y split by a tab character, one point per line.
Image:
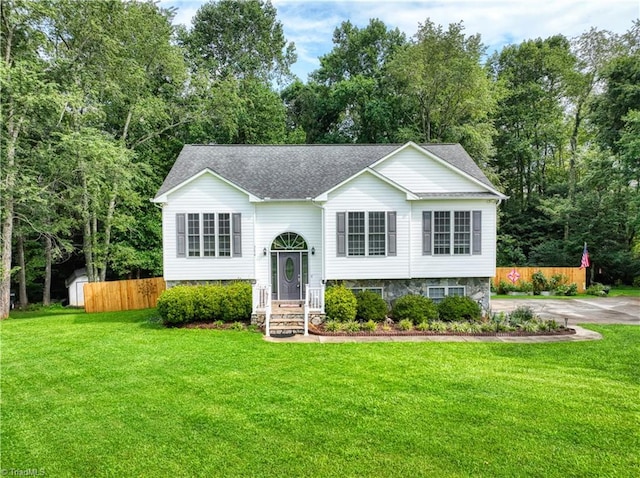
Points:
186	225
473	232
344	233
446	291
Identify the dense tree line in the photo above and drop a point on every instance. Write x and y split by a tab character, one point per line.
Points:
99	97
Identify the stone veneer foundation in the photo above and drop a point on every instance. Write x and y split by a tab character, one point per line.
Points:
478	288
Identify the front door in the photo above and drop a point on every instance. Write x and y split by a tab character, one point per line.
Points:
289	275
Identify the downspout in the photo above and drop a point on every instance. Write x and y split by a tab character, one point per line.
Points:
410	255
255	252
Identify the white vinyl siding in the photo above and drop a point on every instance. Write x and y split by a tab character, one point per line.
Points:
480	263
203	197
418	173
301	218
368	194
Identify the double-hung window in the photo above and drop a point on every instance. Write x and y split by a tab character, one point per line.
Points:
451	232
377	234
208	235
224	235
356	234
193	234
366	233
461	232
441	232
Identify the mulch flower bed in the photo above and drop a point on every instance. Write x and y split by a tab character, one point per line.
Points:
319	330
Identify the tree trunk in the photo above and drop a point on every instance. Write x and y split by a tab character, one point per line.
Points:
573	143
5	268
107	233
46	291
13	128
22	275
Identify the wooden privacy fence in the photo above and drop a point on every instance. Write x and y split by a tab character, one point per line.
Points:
573	274
122	294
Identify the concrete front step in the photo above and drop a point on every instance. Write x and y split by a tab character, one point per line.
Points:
291	323
278	319
289	328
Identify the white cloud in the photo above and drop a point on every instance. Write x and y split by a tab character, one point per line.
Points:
310	24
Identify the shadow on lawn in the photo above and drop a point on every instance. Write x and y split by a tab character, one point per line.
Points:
145	318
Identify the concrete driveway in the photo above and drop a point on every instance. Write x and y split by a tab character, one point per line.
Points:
597	310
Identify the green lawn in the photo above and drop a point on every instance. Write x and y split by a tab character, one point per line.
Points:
115	394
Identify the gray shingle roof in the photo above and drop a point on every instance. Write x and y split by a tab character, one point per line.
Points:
297	171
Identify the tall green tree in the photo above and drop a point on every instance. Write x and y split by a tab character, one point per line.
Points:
446	90
29	102
124	81
532	138
239	39
351	97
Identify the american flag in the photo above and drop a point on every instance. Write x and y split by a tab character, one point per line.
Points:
585	258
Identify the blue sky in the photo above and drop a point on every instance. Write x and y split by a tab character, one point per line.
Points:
310	24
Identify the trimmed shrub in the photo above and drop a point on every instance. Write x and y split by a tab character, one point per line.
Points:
371	306
415	308
177	305
340	304
207	301
236	302
183	304
454	308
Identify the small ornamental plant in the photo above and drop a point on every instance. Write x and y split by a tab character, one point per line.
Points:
415	308
340	304
371	306
454	308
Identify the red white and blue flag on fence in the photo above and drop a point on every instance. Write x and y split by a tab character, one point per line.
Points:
585	258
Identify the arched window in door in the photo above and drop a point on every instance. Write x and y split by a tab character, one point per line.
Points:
289	241
281	261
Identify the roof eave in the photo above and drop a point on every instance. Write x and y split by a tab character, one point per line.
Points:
163	198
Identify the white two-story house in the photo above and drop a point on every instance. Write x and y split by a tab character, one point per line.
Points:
394	218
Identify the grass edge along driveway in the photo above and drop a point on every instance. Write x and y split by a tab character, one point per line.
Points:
116	394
